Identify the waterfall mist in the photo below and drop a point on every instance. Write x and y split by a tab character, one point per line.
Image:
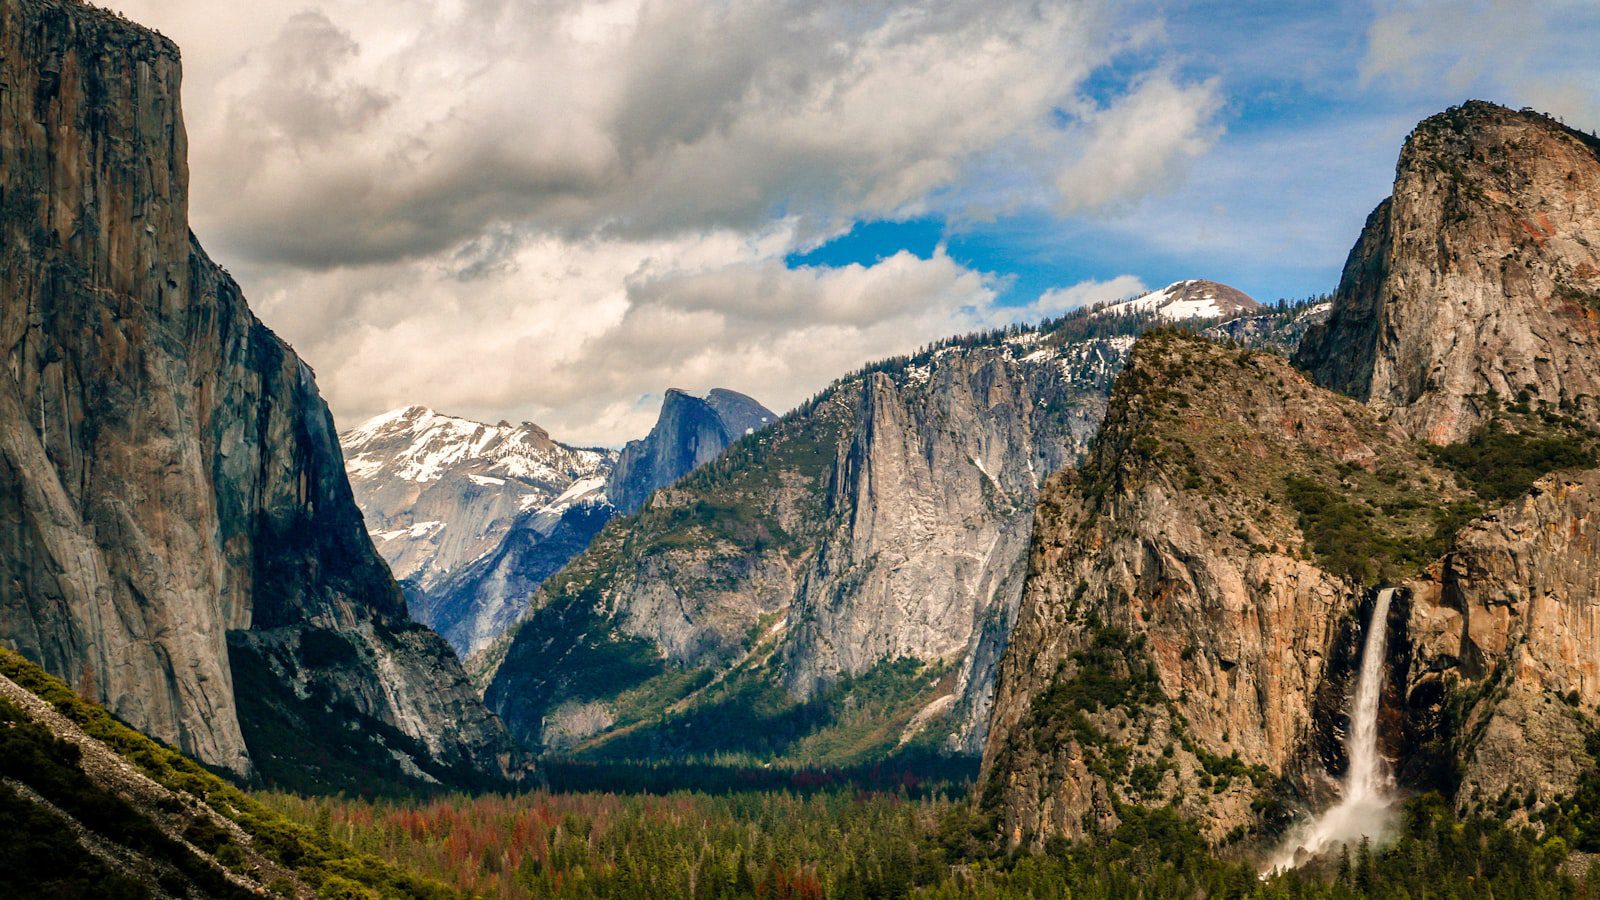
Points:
1366	793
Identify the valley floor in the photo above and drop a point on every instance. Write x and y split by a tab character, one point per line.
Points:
841	843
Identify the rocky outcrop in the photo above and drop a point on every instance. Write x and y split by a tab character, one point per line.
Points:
1473	297
1505	676
168	474
1477	281
1197	584
1185	604
691	431
439	492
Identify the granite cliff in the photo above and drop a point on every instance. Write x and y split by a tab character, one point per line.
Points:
175	511
691	431
838	586
1477	281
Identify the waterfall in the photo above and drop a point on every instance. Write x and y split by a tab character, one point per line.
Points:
1365	794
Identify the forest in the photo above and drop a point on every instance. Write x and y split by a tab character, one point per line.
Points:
844	843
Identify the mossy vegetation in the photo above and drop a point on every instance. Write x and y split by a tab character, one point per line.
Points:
1285	464
1501	463
42	855
321	862
1370	532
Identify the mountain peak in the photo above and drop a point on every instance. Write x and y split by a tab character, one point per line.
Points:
1440	332
1194	298
692	429
438	491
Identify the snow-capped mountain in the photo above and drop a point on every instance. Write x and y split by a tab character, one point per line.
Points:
439	492
1190	299
475	517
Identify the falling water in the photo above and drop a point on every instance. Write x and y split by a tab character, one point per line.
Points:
1363	807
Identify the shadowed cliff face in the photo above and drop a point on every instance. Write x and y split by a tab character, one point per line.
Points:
168	473
1478	279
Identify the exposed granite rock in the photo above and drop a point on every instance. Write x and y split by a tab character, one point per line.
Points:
1179	638
886	519
1479	278
1471	295
474	605
473	516
1476	287
168	474
690	432
1509	626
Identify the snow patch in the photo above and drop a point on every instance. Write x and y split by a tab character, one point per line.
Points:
418	530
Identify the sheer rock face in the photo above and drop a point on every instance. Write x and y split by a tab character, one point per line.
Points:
168	473
888	519
1478	284
1478	278
932	497
1172	553
1511	621
690	432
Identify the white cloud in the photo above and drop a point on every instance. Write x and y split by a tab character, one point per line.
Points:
1056	301
1142	144
557	209
714	310
1519	53
357	132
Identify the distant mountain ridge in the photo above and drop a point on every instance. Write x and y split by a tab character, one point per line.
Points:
475	516
439	491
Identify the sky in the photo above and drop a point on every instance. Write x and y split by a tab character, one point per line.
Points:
553	210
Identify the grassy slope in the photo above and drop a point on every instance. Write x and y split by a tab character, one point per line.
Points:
317	861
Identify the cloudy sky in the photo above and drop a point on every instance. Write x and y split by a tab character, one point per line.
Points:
554	209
